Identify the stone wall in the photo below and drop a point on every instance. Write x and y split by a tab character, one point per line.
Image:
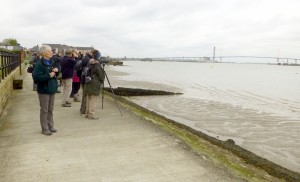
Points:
6	87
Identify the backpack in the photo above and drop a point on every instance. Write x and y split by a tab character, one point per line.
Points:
78	67
80	64
30	68
86	76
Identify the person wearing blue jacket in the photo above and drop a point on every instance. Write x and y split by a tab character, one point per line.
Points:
44	75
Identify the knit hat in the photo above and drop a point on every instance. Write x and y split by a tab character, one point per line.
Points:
96	54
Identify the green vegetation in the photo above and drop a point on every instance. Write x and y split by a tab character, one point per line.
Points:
11	41
28	58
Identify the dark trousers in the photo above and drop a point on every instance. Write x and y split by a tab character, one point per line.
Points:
46	110
83	101
75	88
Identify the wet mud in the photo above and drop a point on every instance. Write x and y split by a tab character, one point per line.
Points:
246	156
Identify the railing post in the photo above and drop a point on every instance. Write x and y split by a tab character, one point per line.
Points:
20	62
2	76
5	65
9	62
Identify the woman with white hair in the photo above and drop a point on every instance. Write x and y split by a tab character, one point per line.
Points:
44	75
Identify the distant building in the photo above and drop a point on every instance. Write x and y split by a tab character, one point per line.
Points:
84	49
10	47
35	48
58	48
4	45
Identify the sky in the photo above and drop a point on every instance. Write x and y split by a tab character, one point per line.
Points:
158	28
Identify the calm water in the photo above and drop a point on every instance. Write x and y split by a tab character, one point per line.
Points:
271	88
257	105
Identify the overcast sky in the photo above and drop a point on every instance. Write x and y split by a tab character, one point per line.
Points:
155	28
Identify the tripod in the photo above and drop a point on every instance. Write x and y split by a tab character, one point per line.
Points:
112	91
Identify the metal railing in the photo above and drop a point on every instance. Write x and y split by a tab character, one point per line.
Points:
9	61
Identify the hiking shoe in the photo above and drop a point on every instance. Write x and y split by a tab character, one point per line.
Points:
66	105
53	130
46	132
82	112
76	99
92	117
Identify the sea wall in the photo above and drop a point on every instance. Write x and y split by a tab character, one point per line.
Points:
7	86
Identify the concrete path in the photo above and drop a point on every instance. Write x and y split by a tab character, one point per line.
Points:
113	148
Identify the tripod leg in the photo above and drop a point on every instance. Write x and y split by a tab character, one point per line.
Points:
112	91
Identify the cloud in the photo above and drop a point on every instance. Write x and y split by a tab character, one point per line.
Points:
154	28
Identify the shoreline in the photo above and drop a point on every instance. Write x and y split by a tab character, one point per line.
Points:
234	157
261	143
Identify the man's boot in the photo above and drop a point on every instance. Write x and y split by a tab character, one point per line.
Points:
77	98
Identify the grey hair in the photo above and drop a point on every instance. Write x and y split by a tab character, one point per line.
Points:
43	49
74	50
69	52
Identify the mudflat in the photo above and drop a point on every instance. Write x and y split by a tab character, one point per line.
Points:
269	136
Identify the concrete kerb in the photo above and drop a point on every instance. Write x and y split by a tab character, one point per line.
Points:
236	158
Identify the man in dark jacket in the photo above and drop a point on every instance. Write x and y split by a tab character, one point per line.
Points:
35	58
56	59
44	75
67	68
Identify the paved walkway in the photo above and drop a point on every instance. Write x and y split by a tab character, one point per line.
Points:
113	148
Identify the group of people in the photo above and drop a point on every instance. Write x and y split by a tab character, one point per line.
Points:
47	70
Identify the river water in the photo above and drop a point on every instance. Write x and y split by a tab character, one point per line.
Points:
256	105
